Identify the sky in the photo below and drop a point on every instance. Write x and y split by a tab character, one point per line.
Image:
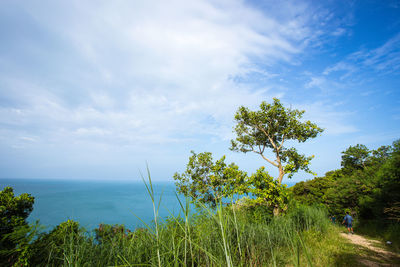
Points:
98	89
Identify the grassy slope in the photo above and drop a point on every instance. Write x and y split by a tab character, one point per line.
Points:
303	237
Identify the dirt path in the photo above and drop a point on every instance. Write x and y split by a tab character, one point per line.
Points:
372	252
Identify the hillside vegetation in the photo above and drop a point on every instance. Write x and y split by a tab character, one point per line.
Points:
367	185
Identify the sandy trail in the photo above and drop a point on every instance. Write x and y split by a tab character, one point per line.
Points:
376	256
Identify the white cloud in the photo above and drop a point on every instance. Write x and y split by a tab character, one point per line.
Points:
368	93
347	68
28	139
339	32
327	116
316	82
94	82
144	72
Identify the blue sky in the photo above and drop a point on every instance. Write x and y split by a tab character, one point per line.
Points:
94	89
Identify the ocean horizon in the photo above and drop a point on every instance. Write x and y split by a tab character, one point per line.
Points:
92	202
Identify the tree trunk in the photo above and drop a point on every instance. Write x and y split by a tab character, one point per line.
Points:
281	174
276	211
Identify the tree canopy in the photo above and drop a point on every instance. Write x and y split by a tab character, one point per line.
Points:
269	128
207	181
355	158
368	184
267	190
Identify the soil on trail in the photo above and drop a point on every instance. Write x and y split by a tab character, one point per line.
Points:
372	252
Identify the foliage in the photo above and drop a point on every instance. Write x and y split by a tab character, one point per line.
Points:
14	211
312	191
355	158
23	237
207	181
269	128
385	199
267	190
226	237
108	232
50	247
368	185
253	212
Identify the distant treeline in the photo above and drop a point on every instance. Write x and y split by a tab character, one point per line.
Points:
367	185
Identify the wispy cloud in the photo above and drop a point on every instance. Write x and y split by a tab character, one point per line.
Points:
144	72
346	67
339	32
384	59
316	82
327	116
93	82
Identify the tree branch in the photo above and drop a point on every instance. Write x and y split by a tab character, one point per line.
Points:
267	135
259	148
261	153
283	140
270	161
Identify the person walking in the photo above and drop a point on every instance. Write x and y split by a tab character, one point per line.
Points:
348	222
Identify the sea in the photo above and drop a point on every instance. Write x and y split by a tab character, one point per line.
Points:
94	202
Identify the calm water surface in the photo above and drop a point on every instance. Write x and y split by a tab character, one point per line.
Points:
93	202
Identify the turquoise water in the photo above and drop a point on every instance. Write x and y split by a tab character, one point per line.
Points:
93	202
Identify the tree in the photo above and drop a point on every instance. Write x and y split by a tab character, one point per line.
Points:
14	210
355	158
207	181
270	127
267	190
312	191
380	155
387	198
368	184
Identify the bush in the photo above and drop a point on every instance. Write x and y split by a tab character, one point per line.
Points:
13	213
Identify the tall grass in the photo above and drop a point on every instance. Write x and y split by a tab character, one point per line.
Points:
224	236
